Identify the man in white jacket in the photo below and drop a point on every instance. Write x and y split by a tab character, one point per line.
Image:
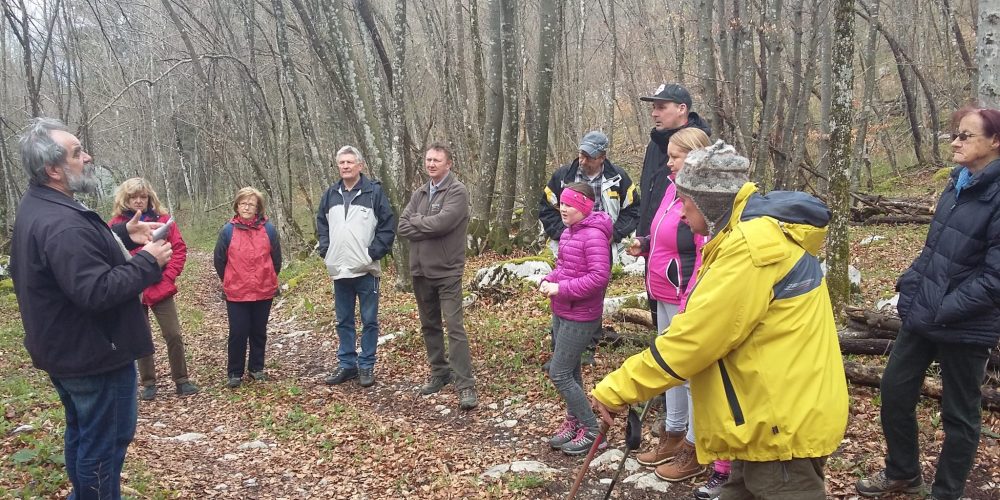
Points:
355	226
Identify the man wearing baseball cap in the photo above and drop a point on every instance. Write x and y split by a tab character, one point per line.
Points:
671	111
615	192
760	295
615	195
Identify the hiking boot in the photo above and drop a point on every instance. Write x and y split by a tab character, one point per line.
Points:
148	393
684	465
713	487
582	442
879	485
187	389
467	398
259	376
366	377
665	450
341	375
234	382
435	384
565	433
546	365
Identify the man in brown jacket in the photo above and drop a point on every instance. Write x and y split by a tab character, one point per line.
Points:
435	222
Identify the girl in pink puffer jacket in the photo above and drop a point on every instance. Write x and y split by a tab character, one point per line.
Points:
576	288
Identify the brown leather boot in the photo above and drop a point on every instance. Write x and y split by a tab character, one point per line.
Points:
666	449
684	465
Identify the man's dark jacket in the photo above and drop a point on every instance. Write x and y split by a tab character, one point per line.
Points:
655	178
77	293
622	192
951	292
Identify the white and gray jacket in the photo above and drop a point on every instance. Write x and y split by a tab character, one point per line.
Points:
354	234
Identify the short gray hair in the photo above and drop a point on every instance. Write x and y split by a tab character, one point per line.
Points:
39	150
351	150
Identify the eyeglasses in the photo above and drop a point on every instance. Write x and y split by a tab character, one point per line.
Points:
247	204
963	136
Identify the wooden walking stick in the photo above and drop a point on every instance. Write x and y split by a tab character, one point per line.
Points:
603	430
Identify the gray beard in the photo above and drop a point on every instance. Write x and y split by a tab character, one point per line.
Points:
85	183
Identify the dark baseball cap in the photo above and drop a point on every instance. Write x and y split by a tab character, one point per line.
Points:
594	143
671	92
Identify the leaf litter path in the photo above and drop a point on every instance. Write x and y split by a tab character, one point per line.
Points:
303	439
309	440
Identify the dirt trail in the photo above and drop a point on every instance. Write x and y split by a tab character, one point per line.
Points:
321	441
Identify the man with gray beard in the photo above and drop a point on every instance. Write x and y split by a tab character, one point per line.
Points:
78	294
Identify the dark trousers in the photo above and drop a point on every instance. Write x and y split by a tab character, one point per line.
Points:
101	413
963	367
247	322
437	298
795	479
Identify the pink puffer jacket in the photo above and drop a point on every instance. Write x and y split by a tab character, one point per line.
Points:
583	269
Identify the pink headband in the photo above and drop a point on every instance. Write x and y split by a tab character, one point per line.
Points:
576	200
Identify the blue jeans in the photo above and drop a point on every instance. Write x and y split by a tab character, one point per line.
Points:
100	423
365	290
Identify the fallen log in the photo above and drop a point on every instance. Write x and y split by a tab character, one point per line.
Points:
637	316
873	319
878	347
898	219
871	376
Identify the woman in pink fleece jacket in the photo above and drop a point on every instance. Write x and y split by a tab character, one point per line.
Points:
576	287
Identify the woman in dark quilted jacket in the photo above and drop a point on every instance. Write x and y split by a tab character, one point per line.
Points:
949	301
137	195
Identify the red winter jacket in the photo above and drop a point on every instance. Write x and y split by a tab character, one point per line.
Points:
165	288
583	269
247	258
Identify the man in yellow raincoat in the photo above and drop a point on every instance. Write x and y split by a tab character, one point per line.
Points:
757	338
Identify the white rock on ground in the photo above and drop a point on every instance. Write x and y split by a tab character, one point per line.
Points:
188	437
872	239
888	305
637	268
521	467
504	273
613	304
253	445
648	481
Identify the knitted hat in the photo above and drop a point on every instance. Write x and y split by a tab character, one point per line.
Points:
711	177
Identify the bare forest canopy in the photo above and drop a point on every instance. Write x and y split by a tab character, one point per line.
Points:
205	96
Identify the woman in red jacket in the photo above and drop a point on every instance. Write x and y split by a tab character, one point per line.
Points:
247	260
137	195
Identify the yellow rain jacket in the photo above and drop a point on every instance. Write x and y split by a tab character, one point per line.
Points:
757	340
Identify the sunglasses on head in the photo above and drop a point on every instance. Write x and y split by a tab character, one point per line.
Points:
962	136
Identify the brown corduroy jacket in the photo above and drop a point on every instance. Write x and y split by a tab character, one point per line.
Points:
436	229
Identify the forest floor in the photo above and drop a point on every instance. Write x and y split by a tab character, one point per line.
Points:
295	437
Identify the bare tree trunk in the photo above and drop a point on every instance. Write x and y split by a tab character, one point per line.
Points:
398	163
500	233
771	58
963	49
988	53
314	159
489	153
609	116
861	151
549	28
838	239
825	100
706	56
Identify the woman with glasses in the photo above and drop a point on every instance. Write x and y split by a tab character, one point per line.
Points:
949	301
248	259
